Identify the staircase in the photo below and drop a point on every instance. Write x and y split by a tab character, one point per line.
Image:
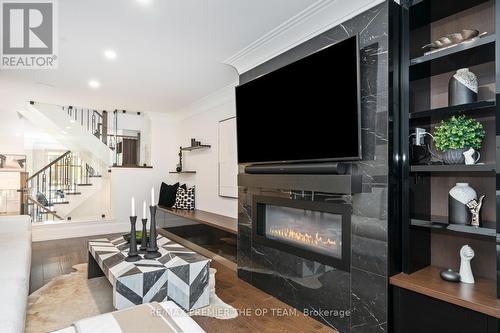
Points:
58	189
83	131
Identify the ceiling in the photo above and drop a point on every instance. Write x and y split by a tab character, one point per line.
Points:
169	52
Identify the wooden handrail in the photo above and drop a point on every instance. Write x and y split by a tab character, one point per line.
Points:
48	165
44	208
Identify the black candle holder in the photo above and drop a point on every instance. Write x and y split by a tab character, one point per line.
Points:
144	241
153	246
133	255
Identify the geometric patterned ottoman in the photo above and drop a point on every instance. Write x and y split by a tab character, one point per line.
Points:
180	274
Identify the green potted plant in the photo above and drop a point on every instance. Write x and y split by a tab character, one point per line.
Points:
456	135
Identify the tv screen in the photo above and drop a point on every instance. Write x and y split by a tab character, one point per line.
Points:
305	111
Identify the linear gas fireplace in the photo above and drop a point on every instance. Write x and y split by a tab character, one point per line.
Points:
318	231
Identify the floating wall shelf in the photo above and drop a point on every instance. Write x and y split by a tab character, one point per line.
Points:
195	147
187	172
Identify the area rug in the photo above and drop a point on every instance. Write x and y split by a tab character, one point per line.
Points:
71	297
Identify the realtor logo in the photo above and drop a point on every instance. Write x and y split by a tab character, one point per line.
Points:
28	34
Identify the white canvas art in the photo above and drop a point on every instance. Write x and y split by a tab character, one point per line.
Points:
228	159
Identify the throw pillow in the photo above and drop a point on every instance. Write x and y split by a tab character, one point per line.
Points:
185	198
167	195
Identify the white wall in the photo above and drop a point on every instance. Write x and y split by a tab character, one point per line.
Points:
137	182
201	121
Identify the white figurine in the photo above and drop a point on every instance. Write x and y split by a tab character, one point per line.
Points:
469	156
466	255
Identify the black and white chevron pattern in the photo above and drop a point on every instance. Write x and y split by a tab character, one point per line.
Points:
179	274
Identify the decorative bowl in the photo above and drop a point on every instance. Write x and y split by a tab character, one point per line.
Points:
454	38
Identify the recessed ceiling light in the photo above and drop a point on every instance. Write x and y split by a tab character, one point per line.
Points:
110	54
94	84
68	127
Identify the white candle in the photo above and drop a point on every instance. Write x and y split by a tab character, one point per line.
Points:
144	209
133	207
153	196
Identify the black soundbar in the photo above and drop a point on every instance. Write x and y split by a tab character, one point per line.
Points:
301	168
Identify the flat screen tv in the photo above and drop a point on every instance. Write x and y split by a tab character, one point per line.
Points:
308	110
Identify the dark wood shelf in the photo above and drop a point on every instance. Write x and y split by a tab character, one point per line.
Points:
480	297
453	168
476	107
442	225
488	39
455	58
195	147
188	172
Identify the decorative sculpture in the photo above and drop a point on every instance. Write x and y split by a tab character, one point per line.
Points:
179	165
466	255
475	208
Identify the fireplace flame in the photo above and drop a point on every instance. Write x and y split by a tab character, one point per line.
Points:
302	237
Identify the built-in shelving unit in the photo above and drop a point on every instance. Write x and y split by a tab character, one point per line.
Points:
479	297
427	237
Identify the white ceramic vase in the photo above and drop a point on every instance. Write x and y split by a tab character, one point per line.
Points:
458	197
463	193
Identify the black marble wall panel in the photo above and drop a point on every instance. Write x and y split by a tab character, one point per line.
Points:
329	293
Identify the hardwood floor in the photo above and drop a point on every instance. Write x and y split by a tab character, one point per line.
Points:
259	312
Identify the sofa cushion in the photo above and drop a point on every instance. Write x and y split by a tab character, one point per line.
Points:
15	223
167	194
16	256
13	305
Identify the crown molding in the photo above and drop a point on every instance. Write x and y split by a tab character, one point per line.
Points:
312	21
208	102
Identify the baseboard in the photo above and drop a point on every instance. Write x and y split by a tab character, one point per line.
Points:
66	229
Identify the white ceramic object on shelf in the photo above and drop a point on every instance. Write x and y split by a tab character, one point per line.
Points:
467	78
470	159
466	255
463	193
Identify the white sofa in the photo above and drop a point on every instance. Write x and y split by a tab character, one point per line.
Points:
15	254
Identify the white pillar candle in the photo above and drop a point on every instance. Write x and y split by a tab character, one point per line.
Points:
144	209
152	196
133	207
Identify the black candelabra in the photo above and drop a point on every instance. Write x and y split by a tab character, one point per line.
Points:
152	250
133	255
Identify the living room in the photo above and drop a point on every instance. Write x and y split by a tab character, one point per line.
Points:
264	166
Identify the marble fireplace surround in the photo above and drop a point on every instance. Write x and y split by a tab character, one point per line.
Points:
310	229
353	300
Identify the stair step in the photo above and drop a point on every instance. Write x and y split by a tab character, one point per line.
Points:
84	184
95	176
60	202
73	193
